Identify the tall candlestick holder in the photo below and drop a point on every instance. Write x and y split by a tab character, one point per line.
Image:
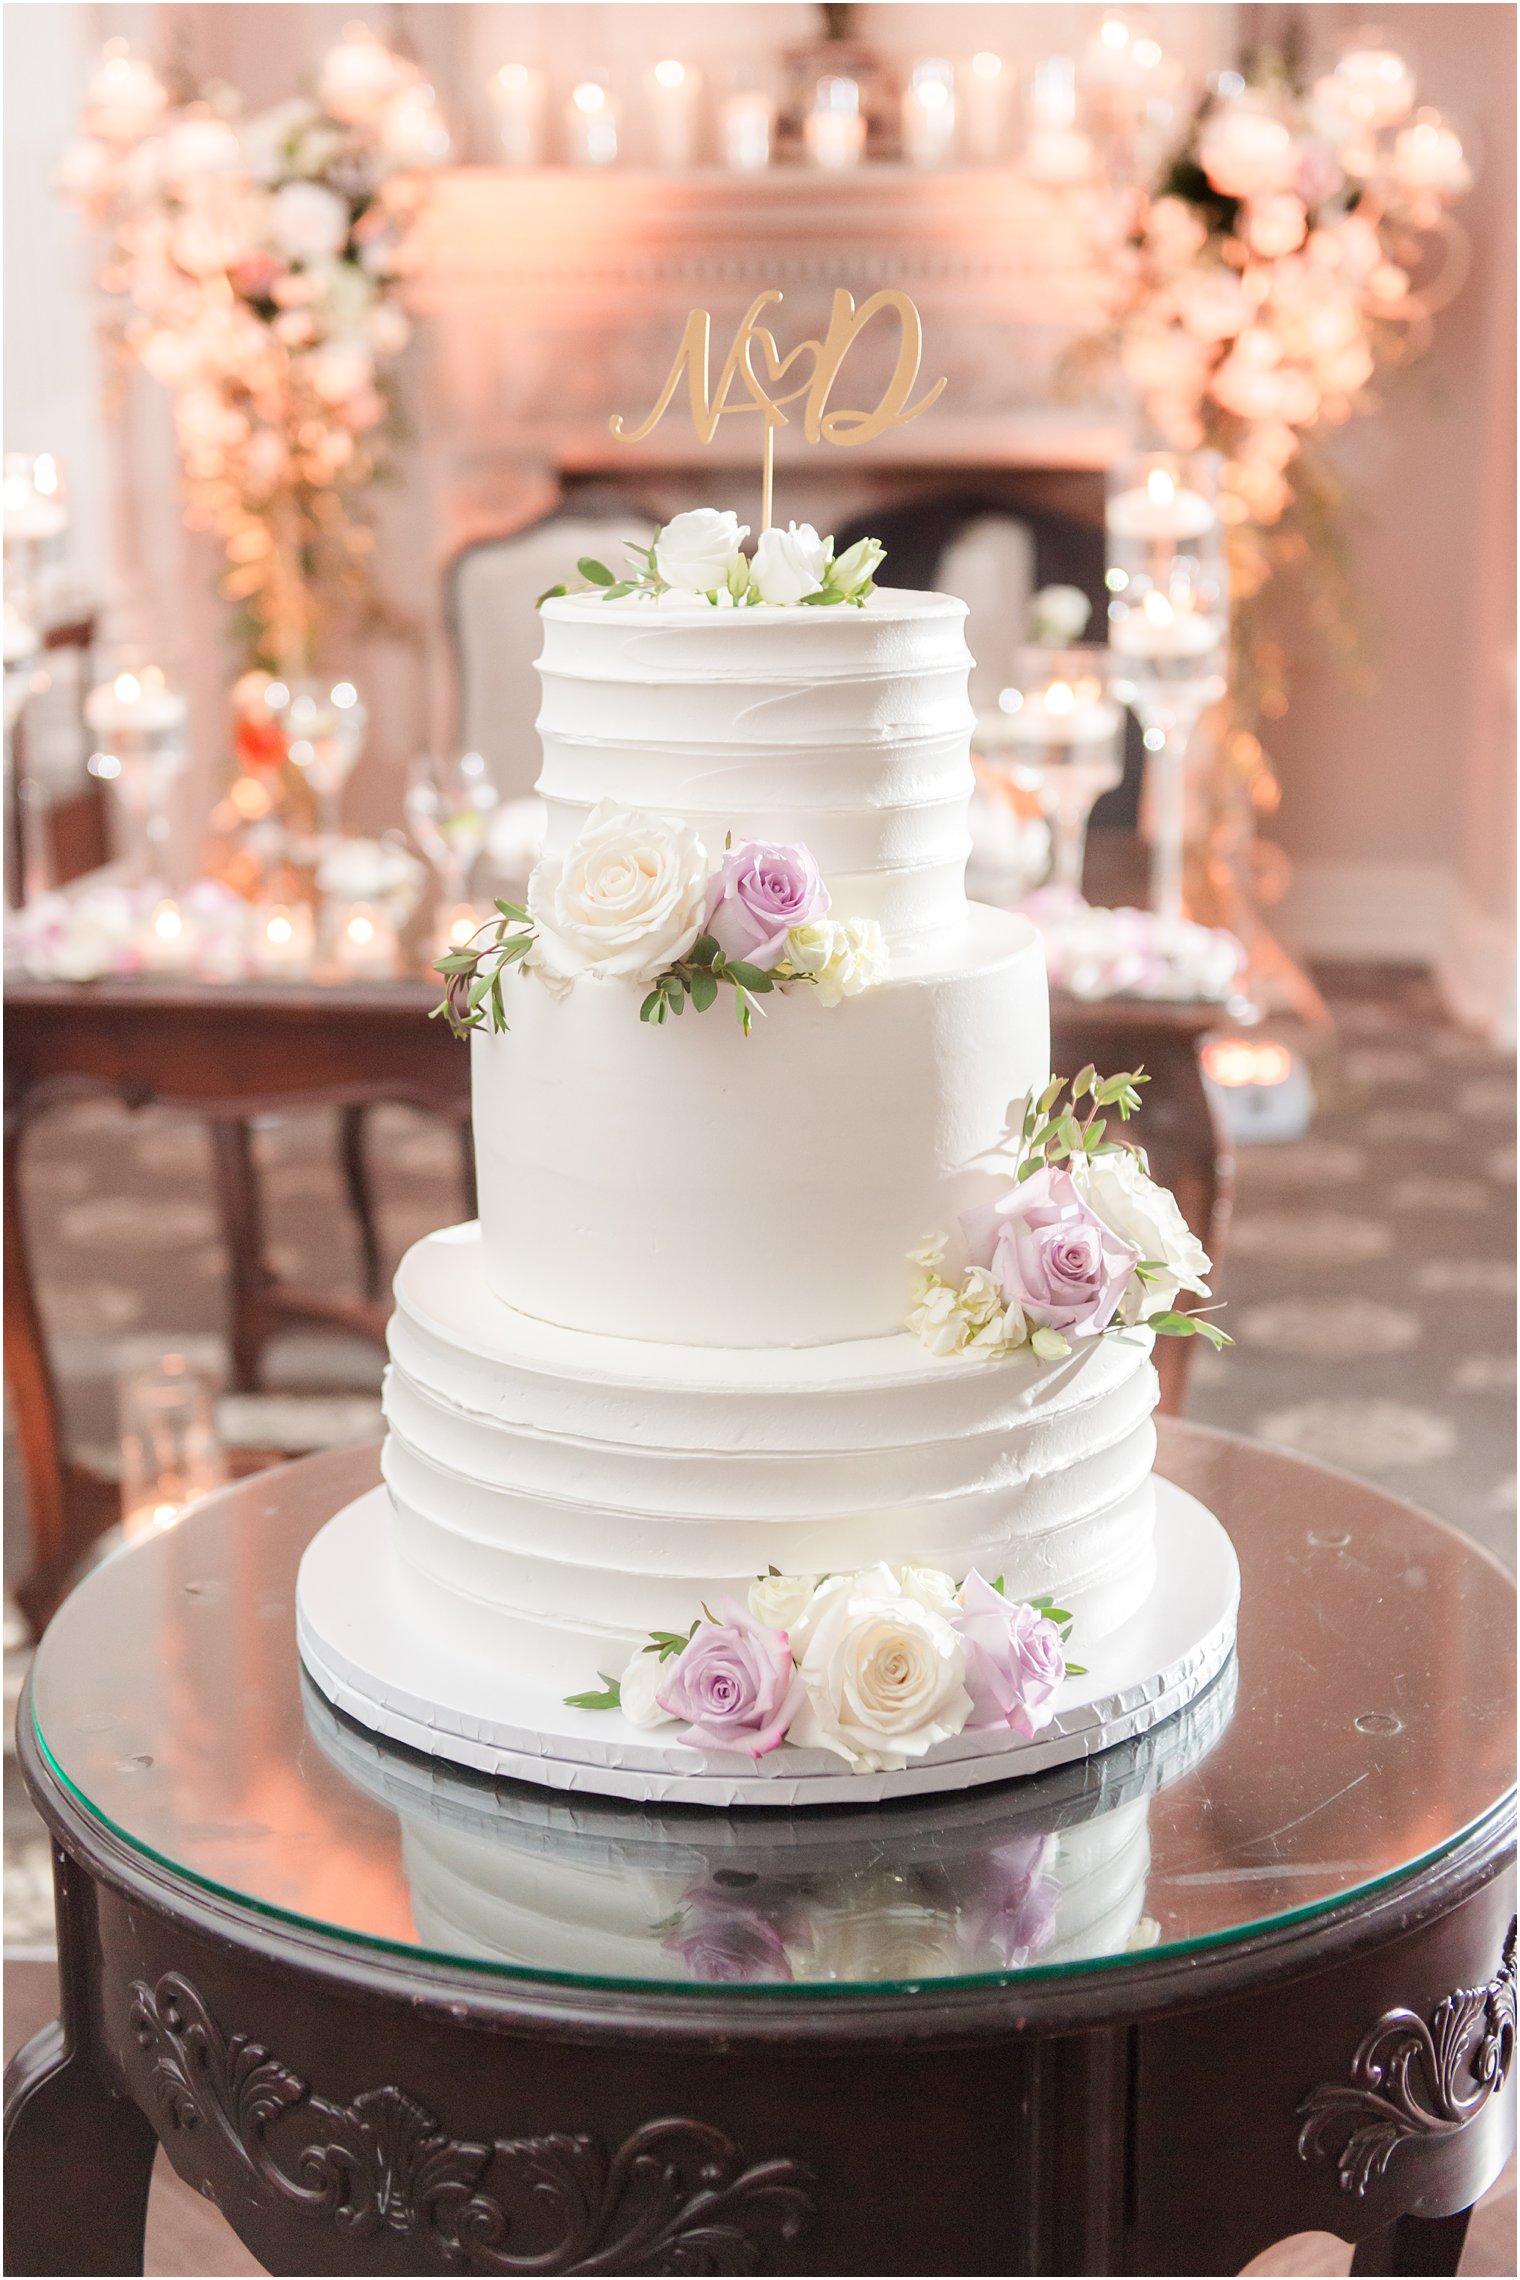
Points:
1058	734
139	721
1168	613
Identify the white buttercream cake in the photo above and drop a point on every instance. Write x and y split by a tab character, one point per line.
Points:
672	1354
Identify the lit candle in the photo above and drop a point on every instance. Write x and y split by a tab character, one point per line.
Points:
591	124
32	505
745	129
1160	630
1057	152
283	943
167	948
928	115
1161	509
1064	712
834	132
366	948
673	91
518	94
138	704
124	97
982	101
1429	156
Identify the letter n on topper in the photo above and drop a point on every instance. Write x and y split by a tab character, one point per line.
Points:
817	365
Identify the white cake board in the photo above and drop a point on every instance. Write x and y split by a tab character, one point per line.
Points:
361	1644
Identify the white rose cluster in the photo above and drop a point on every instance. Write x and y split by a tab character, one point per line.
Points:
699	557
1122	1193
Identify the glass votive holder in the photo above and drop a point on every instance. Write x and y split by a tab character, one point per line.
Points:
1059	735
928	115
170	1450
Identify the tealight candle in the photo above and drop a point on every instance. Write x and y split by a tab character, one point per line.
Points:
282	944
928	115
673	90
517	92
982	97
1160	631
1061	713
591	125
366	944
167	947
745	131
834	133
136	704
1161	508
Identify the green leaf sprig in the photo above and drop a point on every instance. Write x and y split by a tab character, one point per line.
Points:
701	974
472	996
851	579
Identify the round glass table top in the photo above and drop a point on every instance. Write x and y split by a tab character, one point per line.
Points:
1363	1728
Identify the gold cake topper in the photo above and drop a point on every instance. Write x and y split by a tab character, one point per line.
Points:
819	424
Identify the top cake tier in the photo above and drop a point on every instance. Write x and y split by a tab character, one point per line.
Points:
846	729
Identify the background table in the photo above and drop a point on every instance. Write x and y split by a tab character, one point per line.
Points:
284	1952
229	1053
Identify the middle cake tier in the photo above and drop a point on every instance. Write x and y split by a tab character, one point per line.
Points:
688	1184
557	1496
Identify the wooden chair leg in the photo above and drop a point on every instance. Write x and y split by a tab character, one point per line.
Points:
34	1397
237	1190
361	1197
1418	2246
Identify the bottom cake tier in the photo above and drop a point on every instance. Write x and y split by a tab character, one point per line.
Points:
381	1658
555	1497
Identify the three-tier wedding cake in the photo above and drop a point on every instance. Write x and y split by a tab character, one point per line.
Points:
786	1419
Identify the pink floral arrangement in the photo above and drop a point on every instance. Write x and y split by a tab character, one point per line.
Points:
252	262
876	1666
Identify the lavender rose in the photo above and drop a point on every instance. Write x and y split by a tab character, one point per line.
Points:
759	895
736	1683
1014	1662
1052	1255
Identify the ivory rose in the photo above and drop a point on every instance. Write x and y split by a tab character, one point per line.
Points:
885	1676
626	899
844	956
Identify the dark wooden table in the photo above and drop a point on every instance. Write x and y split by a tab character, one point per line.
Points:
230	1053
393	2018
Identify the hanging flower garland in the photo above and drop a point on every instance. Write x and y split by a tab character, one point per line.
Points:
252	266
1293	246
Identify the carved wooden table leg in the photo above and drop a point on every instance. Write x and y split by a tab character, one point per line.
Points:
1415	2245
78	2157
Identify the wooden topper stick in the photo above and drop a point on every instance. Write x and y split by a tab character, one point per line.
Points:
767	396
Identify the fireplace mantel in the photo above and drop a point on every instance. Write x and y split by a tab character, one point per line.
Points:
552	298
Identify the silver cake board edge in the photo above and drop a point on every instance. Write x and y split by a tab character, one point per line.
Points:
372	1665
